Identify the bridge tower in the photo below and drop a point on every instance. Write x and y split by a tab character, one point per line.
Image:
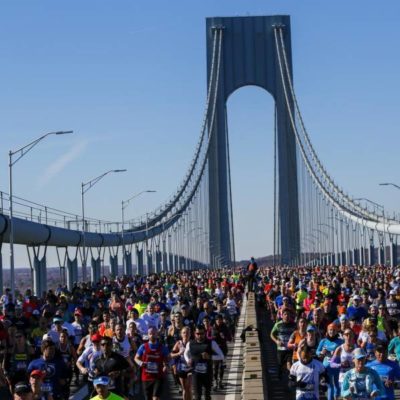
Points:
249	57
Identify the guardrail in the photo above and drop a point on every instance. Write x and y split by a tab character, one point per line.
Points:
252	381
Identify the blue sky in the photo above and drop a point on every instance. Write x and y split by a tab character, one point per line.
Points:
129	77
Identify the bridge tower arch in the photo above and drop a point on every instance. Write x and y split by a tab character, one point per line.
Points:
249	57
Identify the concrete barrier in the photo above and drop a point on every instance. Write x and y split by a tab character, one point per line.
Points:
252	380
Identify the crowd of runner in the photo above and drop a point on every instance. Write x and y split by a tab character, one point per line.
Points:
336	329
121	337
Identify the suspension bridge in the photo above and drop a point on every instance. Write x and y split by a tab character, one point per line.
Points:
315	220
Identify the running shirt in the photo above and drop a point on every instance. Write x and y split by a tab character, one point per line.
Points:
387	370
308	375
360	385
282	331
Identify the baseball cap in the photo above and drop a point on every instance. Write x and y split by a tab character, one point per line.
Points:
358	354
343	317
39	373
310	328
96	337
22	387
102	380
57	319
36	312
392	292
356	297
78	312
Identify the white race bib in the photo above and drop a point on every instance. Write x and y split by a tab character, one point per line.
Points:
201	368
152	367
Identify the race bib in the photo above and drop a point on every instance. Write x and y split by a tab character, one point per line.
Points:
47	387
183	367
21	365
152	367
201	368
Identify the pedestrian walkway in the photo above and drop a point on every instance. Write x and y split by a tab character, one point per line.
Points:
277	389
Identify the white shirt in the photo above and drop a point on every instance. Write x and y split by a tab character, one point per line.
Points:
151	320
309	374
140	326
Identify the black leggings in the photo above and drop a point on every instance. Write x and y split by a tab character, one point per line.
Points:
201	381
250	282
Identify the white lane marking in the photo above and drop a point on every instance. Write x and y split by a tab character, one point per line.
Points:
235	374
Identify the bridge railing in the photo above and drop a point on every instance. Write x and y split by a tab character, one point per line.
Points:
35	212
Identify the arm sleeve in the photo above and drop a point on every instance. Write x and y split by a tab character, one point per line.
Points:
346	385
140	351
320	346
397	371
83	356
378	383
335	362
219	355
274	329
391	345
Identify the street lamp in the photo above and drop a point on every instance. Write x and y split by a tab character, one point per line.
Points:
84	188
390	184
20	153
124	204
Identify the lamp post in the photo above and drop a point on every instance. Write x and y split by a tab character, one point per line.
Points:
20	153
390	184
124	204
84	188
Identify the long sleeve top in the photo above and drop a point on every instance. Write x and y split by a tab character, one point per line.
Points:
363	384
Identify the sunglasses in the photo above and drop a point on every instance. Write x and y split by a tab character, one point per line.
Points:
104	344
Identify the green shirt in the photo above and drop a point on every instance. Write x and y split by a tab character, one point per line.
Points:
111	396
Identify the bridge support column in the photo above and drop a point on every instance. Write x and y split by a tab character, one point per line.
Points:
39	275
170	262
95	264
149	262
381	254
372	260
72	272
38	268
158	260
356	258
1	267
128	270
362	255
344	261
164	257
176	263
393	252
139	261
114	265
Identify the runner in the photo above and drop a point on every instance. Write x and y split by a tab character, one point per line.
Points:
200	354
152	357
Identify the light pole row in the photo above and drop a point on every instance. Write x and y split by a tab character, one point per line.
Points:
85	186
124	204
20	153
14	157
